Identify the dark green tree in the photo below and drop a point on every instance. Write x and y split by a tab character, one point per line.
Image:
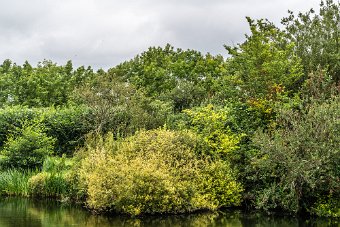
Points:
183	77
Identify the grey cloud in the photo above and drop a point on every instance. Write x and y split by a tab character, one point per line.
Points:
104	33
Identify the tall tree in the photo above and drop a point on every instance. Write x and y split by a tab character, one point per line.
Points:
317	37
183	77
263	62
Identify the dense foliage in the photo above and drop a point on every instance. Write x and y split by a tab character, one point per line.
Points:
65	124
155	171
298	163
173	131
27	148
185	78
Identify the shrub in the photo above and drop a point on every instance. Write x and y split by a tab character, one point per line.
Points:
327	207
54	180
57	164
155	171
119	107
66	125
27	147
12	117
298	163
210	123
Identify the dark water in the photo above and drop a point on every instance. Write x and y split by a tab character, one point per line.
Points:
19	212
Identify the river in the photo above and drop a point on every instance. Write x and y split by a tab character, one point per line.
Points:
17	212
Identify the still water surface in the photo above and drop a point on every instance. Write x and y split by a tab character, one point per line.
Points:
19	212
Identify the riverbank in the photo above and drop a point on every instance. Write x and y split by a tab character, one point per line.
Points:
153	172
179	131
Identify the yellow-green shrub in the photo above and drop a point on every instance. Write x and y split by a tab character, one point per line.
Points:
155	171
45	184
210	123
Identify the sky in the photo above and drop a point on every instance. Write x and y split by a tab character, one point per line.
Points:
104	33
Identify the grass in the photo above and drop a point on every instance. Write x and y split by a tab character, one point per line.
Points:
49	185
51	181
15	182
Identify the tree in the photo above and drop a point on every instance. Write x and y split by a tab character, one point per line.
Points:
183	77
119	107
298	164
263	61
6	83
317	38
42	86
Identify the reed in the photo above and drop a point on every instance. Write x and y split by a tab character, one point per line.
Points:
15	182
51	185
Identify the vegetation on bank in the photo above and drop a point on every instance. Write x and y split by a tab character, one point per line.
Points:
156	171
175	131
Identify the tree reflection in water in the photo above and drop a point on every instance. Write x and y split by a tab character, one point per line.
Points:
46	213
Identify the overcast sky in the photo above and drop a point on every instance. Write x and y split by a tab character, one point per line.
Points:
103	33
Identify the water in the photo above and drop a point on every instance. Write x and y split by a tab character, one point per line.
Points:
19	212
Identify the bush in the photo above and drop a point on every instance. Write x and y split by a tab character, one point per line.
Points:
210	123
299	162
327	207
27	147
12	117
119	107
54	180
66	124
57	164
154	171
46	184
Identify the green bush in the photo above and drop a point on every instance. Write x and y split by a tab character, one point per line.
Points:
65	124
155	171
27	147
210	123
57	164
13	117
298	163
327	207
54	180
119	107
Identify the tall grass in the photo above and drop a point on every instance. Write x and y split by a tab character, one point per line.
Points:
15	182
50	185
54	179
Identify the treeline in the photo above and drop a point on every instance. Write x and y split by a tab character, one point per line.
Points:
175	131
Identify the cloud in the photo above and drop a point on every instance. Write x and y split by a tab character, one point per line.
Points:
104	33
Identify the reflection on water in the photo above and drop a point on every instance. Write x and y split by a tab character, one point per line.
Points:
34	213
